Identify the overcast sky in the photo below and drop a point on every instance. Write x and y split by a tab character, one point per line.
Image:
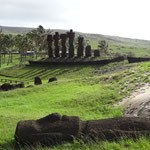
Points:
126	18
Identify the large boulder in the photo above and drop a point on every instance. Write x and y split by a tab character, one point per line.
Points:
56	129
139	105
37	81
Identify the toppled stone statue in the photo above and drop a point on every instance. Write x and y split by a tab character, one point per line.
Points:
56	129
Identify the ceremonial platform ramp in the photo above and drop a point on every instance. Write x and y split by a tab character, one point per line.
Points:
76	61
60	54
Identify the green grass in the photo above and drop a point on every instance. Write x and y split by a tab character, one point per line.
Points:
122	49
85	91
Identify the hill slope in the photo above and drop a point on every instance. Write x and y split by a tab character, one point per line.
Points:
91	37
87	91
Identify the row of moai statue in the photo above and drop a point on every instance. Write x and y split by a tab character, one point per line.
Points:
63	37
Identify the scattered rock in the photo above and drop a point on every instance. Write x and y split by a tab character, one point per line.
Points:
96	53
52	79
37	81
20	85
7	86
29	86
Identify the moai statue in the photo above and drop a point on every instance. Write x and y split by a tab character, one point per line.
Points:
96	53
50	49
63	44
55	129
56	40
88	51
80	47
71	36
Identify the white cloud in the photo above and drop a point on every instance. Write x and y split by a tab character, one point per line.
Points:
128	18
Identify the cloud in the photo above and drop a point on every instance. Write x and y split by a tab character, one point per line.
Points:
129	18
32	11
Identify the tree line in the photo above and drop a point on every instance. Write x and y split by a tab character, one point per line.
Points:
35	40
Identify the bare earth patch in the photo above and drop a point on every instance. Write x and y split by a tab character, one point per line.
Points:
138	103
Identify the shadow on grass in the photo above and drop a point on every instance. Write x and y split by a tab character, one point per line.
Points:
9	145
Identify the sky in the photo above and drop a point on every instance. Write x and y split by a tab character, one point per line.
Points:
125	18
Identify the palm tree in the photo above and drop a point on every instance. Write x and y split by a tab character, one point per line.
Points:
103	45
39	38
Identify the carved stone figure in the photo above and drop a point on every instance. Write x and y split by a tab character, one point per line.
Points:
63	44
88	51
56	129
71	36
80	47
50	41
96	53
8	86
56	40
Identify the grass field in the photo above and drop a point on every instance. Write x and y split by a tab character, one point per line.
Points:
122	49
85	91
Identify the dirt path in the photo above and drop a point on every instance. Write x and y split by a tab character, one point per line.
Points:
138	103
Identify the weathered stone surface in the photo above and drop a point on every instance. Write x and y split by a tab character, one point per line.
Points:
80	47
56	40
96	53
52	79
88	51
55	129
50	49
6	87
50	130
37	81
137	59
63	44
71	36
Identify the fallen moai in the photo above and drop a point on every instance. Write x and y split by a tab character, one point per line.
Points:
56	129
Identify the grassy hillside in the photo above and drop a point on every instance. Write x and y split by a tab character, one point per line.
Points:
86	91
116	44
118	40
